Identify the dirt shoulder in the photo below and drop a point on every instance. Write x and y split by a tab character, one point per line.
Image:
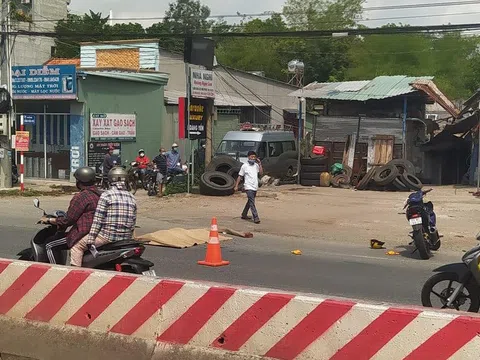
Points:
323	214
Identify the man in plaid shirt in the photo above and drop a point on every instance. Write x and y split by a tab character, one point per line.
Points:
114	218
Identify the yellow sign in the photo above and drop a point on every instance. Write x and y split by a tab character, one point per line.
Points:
22	140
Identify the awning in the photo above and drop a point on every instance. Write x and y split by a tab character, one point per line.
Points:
429	87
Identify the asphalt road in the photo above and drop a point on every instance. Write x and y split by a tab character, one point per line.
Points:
266	261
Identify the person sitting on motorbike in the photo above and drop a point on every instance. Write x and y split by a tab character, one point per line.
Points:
114	218
173	161
143	161
79	215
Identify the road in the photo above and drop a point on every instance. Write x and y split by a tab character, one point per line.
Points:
350	271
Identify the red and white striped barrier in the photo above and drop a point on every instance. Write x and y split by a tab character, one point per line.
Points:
253	322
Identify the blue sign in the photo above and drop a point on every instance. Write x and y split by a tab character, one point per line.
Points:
77	142
29	119
48	82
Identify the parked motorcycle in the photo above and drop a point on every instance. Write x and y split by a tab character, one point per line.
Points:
131	183
122	256
462	288
423	220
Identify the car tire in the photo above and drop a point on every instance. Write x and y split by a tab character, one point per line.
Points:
216	183
363	184
322	160
314	168
403	166
310	176
399	185
341	180
223	163
385	175
306	182
412	182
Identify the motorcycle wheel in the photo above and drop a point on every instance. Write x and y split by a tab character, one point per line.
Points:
132	186
421	245
472	288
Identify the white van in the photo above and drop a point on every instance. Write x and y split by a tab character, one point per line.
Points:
267	144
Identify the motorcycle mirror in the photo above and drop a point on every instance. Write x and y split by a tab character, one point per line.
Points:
36	203
478	236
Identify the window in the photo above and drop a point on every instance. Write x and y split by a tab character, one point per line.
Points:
275	149
262	150
288	145
234	147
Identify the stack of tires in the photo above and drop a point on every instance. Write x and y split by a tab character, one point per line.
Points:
310	170
397	175
220	176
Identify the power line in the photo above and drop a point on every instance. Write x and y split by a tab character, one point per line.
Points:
270	13
289	33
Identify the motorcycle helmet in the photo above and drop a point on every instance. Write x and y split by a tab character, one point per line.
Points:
117	174
85	175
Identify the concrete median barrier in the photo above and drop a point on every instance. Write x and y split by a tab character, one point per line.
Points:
53	312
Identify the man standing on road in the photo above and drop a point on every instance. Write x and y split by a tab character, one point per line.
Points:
249	173
173	161
114	218
160	162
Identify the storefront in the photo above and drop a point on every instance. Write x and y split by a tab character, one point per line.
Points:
70	122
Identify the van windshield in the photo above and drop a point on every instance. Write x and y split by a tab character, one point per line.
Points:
231	147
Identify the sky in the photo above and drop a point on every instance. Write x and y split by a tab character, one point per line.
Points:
455	14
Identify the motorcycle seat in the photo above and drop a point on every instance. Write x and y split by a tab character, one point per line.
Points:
120	244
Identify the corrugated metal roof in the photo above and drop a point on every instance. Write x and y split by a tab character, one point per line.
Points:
381	87
150	77
221	99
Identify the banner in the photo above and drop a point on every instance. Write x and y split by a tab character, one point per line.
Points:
44	82
202	84
113	127
197	118
77	143
22	140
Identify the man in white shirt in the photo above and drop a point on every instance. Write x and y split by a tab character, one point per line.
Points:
249	173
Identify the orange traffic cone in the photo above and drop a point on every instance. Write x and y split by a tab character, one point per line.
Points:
214	253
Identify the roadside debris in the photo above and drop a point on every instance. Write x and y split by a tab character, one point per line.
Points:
297	252
391	253
376	244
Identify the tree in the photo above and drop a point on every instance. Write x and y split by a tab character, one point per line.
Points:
182	17
76	29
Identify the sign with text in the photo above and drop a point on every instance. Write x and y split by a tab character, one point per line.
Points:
97	151
48	82
29	119
22	140
113	126
202	83
198	119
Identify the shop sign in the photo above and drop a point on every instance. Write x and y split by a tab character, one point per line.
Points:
47	82
97	151
195	127
202	84
22	140
113	126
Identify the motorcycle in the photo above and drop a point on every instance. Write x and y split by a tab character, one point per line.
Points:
131	183
422	218
466	274
122	256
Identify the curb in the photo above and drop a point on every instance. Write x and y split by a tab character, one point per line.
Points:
219	319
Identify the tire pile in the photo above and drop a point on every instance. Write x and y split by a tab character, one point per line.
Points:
312	168
397	175
220	176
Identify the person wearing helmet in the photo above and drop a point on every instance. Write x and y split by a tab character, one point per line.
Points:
173	161
79	215
143	161
115	216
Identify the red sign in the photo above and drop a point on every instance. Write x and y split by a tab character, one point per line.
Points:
22	140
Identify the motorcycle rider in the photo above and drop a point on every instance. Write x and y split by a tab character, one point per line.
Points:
109	161
143	161
114	218
79	214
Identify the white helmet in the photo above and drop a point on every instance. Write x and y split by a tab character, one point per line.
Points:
174	145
